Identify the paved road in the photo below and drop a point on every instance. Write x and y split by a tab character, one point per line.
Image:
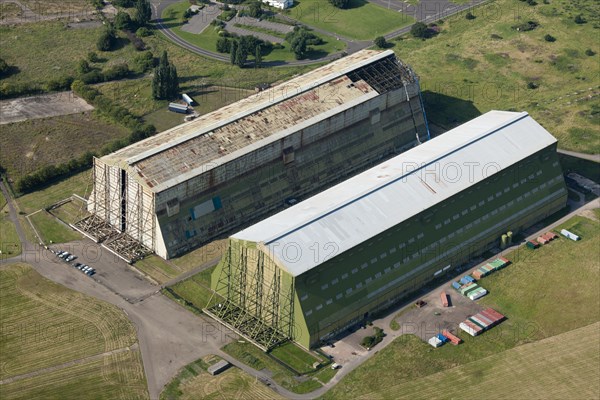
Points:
590	157
426	11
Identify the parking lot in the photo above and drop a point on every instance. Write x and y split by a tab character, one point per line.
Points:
110	271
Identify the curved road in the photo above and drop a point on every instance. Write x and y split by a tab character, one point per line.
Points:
427	11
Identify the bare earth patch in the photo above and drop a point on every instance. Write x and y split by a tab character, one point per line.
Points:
48	105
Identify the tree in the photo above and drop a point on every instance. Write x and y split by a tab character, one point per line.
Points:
419	30
380	42
107	40
254	10
223	45
549	38
123	21
298	46
143	12
469	15
165	84
241	56
233	51
343	4
258	57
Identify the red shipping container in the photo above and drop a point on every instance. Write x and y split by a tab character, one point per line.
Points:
453	339
489	316
473	326
494	313
477	274
444	298
542	240
505	260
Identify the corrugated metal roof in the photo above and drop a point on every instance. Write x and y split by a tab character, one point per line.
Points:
173	137
395	190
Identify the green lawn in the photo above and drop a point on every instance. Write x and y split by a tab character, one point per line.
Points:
295	357
80	184
259	360
71	211
194	291
51	230
45	325
207	39
560	367
464	71
543	293
362	20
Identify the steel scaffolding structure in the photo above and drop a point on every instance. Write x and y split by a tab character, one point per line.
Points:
122	216
257	304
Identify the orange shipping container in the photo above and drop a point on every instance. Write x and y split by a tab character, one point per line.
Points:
444	298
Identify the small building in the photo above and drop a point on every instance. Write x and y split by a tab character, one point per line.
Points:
219	367
281	4
178	108
569	234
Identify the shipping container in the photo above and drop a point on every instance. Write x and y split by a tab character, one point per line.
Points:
467	328
478	274
466	279
453	339
569	234
469	278
478	322
489	316
444	299
485	319
495	313
477	294
456	285
178	108
435	342
443	338
532	244
542	240
506	261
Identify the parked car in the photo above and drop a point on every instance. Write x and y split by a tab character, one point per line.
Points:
70	258
81	267
77	265
91	272
64	255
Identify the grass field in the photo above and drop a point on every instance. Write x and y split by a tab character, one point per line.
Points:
559	367
295	357
163	271
362	20
195	291
207	39
44	325
30	145
27	48
193	382
80	184
51	230
71	211
9	241
465	71
544	293
259	360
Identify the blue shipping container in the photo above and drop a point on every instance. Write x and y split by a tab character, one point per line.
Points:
442	337
464	280
456	285
470	278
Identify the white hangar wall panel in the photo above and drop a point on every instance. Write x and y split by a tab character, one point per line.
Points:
139	213
105	198
252	186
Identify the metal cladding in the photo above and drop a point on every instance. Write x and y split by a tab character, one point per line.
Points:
359	247
232	167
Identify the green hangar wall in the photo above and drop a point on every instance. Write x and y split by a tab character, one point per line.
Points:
371	240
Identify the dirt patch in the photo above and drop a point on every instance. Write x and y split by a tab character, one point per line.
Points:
49	105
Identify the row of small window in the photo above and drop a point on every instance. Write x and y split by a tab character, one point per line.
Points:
432	246
490	198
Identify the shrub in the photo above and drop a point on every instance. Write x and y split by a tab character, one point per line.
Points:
4	68
118	71
107	40
380	42
590	52
549	38
223	45
83	67
532	85
579	19
143	32
123	3
496	37
143	62
419	30
526	26
62	83
469	15
93	57
343	4
90	77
